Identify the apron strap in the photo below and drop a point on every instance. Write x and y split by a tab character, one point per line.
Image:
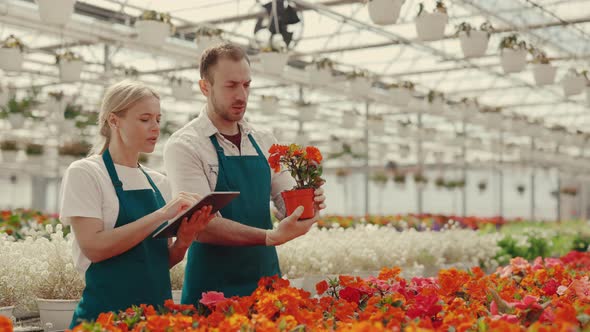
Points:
108	162
253	141
218	148
156	190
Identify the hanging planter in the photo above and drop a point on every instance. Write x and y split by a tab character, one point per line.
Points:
320	72
380	179
153	28
269	104
11	54
573	83
34	153
431	26
56	105
273	61
9	150
435	102
400	180
514	51
182	88
482	186
520	189
384	12
420	181
359	83
401	94
207	37
543	71
474	43
70	67
56	12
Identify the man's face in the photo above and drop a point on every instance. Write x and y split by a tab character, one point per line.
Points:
228	95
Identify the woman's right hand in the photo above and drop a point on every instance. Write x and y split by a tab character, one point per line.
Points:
176	206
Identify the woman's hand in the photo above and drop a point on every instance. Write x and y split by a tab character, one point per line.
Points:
176	206
189	228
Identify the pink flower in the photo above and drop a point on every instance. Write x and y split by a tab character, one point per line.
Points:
212	298
547	316
528	302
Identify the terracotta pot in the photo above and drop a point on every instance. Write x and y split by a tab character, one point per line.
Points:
297	197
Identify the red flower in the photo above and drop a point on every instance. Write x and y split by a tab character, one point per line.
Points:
212	298
424	306
5	324
313	154
350	294
550	287
321	287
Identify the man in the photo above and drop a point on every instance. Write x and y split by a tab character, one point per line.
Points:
219	151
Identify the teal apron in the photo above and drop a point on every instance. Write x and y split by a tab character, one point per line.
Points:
235	270
139	275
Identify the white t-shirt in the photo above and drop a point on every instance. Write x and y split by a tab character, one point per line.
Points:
87	191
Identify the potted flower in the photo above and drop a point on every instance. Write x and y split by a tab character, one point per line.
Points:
401	93
320	71
431	26
182	88
305	167
269	104
400	179
482	186
543	71
153	28
70	66
380	179
573	83
420	180
273	59
520	188
207	37
474	43
17	110
359	82
436	102
439	182
56	12
34	152
11	54
514	53
9	150
384	12
376	125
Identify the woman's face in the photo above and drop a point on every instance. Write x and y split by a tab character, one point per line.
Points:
139	126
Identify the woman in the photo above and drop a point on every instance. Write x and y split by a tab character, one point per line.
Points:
114	205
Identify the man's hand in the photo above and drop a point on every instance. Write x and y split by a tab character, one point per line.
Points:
290	228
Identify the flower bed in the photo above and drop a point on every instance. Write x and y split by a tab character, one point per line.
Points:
418	222
20	223
550	294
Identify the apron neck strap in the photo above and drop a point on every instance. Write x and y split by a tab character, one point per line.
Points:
108	162
156	190
253	141
221	153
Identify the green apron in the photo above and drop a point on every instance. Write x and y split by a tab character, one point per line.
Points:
235	270
139	275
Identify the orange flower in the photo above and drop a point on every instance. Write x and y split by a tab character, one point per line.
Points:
313	154
5	324
321	287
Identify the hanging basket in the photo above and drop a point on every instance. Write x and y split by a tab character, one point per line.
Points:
400	96
56	12
70	70
544	74
360	86
431	26
11	59
513	61
384	12
321	76
273	62
475	44
152	32
182	89
573	85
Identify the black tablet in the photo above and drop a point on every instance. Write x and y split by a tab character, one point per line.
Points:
216	199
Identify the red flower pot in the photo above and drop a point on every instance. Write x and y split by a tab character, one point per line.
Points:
297	197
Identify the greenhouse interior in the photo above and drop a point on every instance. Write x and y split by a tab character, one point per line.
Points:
442	146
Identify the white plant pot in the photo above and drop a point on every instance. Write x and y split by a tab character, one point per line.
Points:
7	311
307	113
588	96
56	12
319	76
573	85
11	59
152	32
513	61
35	160
182	90
273	62
384	12
400	96
204	42
70	71
474	45
360	86
431	26
348	121
544	74
9	157
437	106
16	120
56	315
176	295
57	108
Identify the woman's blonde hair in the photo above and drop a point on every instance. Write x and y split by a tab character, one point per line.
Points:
117	99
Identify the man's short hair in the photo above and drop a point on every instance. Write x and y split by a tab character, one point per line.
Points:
211	56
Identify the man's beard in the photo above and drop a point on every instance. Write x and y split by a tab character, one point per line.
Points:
224	113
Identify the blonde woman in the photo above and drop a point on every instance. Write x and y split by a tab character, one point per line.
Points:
114	205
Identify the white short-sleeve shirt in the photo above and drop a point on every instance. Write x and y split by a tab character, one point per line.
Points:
87	191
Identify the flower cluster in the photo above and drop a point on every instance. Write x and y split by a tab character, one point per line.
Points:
20	223
550	294
304	164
